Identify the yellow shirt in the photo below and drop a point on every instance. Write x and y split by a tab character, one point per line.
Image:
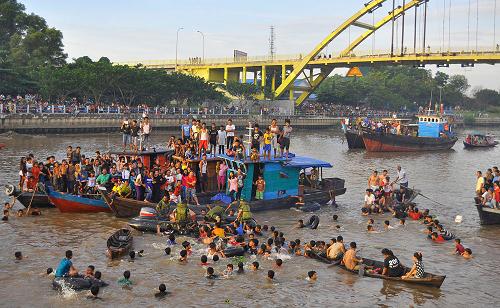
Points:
479	184
219	232
268	138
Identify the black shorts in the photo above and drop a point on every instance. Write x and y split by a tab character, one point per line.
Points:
285	143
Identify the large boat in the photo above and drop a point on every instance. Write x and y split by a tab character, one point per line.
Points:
27	198
354	138
478	140
433	134
69	203
282	189
487	216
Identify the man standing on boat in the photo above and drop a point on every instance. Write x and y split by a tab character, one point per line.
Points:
403	180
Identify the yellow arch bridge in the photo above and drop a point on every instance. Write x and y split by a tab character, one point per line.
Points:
315	66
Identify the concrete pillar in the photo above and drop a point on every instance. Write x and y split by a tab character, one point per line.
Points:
263	76
273	81
255	77
226	75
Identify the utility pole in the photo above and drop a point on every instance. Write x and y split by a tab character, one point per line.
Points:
176	46
272	46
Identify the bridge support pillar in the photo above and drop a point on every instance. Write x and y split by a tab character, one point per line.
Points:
263	77
244	75
283	73
273	81
255	78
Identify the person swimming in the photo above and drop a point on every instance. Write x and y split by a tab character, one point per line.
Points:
211	273
171	240
162	288
255	266
203	260
467	254
18	255
168	250
183	256
125	281
215	258
65	267
240	269
312	276
270	275
229	270
278	263
94	293
89	272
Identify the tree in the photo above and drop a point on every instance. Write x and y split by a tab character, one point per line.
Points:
243	91
487	97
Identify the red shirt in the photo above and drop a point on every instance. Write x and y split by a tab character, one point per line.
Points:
439	239
414	216
459	248
190	181
497	194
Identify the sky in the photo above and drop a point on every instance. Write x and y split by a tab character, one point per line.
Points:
146	30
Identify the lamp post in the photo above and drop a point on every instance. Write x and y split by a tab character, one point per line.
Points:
176	46
203	44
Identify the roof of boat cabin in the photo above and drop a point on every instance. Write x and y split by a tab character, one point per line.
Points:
296	161
141	153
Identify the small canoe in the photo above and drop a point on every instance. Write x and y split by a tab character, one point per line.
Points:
321	257
430	280
119	243
37	200
485	145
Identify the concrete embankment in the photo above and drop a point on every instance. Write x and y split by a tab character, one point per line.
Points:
59	124
67	124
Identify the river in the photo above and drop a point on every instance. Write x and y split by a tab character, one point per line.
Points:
447	177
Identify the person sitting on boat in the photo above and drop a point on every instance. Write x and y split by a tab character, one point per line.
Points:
373	181
244	213
104	178
215	213
124	190
337	250
369	202
65	267
182	213
350	260
401	195
417	270
487	198
163	207
392	266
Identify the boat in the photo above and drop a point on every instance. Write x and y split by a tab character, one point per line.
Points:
354	138
37	199
429	279
321	257
433	134
76	283
68	203
478	140
119	243
149	220
123	207
487	216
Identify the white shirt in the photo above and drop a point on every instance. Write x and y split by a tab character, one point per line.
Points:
402	176
146	128
221	137
125	174
370	199
232	128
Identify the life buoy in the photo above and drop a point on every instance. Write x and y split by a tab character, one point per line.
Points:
234	251
313	222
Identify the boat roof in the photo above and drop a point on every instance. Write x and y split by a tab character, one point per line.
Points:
294	162
141	153
396	119
307	162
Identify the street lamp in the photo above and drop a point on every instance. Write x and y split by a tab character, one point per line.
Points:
203	42
176	45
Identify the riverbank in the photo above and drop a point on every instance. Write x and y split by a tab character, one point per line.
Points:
95	123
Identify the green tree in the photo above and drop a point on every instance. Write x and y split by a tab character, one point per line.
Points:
244	91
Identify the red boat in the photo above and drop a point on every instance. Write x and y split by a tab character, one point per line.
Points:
68	203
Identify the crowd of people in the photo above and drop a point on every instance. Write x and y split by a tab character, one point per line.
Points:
381	195
488	188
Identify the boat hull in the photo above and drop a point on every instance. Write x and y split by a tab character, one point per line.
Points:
67	203
40	199
396	143
354	139
488	216
473	146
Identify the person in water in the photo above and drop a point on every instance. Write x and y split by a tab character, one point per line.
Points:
240	269
89	273
270	275
300	224
459	248
387	225
417	270
131	256
210	273
229	270
255	266
278	263
162	288
312	276
18	255
171	240
467	253
438	238
392	266
168	250
94	293
65	267
125	281
183	256
204	260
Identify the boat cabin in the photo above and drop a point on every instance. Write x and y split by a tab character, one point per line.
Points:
281	175
194	164
432	126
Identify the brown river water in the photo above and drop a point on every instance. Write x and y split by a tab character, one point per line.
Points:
447	177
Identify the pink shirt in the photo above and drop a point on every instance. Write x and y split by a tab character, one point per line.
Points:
233	184
223	169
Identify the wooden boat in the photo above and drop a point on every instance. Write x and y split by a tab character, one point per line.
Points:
321	257
124	207
119	243
354	139
68	203
478	140
40	199
487	216
433	135
430	280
